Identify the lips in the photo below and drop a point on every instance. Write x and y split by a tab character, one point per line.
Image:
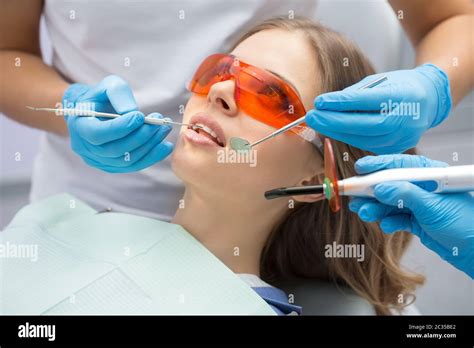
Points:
210	132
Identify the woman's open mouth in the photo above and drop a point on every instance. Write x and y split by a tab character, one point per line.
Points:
209	132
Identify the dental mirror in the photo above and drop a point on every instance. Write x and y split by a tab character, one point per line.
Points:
239	144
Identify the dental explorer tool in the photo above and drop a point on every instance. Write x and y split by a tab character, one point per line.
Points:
242	144
90	113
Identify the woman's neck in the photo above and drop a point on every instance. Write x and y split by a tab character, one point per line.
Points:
235	233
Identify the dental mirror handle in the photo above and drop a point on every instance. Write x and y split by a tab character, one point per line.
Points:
301	119
281	130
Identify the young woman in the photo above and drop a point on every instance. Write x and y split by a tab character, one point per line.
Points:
224	206
270	77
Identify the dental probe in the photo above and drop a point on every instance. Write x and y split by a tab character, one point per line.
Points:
242	144
436	180
90	113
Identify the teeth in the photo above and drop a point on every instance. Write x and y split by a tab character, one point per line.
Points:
209	131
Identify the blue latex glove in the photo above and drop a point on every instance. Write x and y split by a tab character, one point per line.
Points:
443	222
121	145
388	118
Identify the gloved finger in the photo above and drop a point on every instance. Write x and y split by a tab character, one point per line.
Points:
375	211
132	141
395	223
357	202
158	153
353	123
73	93
128	158
394	143
369	99
368	79
97	132
405	194
115	90
370	164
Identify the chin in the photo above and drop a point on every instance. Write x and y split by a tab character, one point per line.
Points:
199	167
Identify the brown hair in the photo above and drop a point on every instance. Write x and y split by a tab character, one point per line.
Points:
296	246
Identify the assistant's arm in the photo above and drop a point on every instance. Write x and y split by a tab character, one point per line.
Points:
442	34
26	79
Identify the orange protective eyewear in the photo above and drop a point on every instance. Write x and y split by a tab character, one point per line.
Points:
258	92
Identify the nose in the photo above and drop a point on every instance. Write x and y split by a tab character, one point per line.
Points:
221	97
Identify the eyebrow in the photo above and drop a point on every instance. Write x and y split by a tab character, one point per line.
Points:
286	80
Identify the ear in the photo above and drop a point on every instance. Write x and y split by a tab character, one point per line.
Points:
314	180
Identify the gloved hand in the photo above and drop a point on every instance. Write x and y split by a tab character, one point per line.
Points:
443	222
121	145
388	118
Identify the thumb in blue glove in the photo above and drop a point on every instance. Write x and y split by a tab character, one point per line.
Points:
388	118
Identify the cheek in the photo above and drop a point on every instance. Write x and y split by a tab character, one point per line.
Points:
281	161
275	161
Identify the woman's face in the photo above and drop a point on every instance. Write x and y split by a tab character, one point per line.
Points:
281	161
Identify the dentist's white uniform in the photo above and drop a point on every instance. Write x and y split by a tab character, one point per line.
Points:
155	46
